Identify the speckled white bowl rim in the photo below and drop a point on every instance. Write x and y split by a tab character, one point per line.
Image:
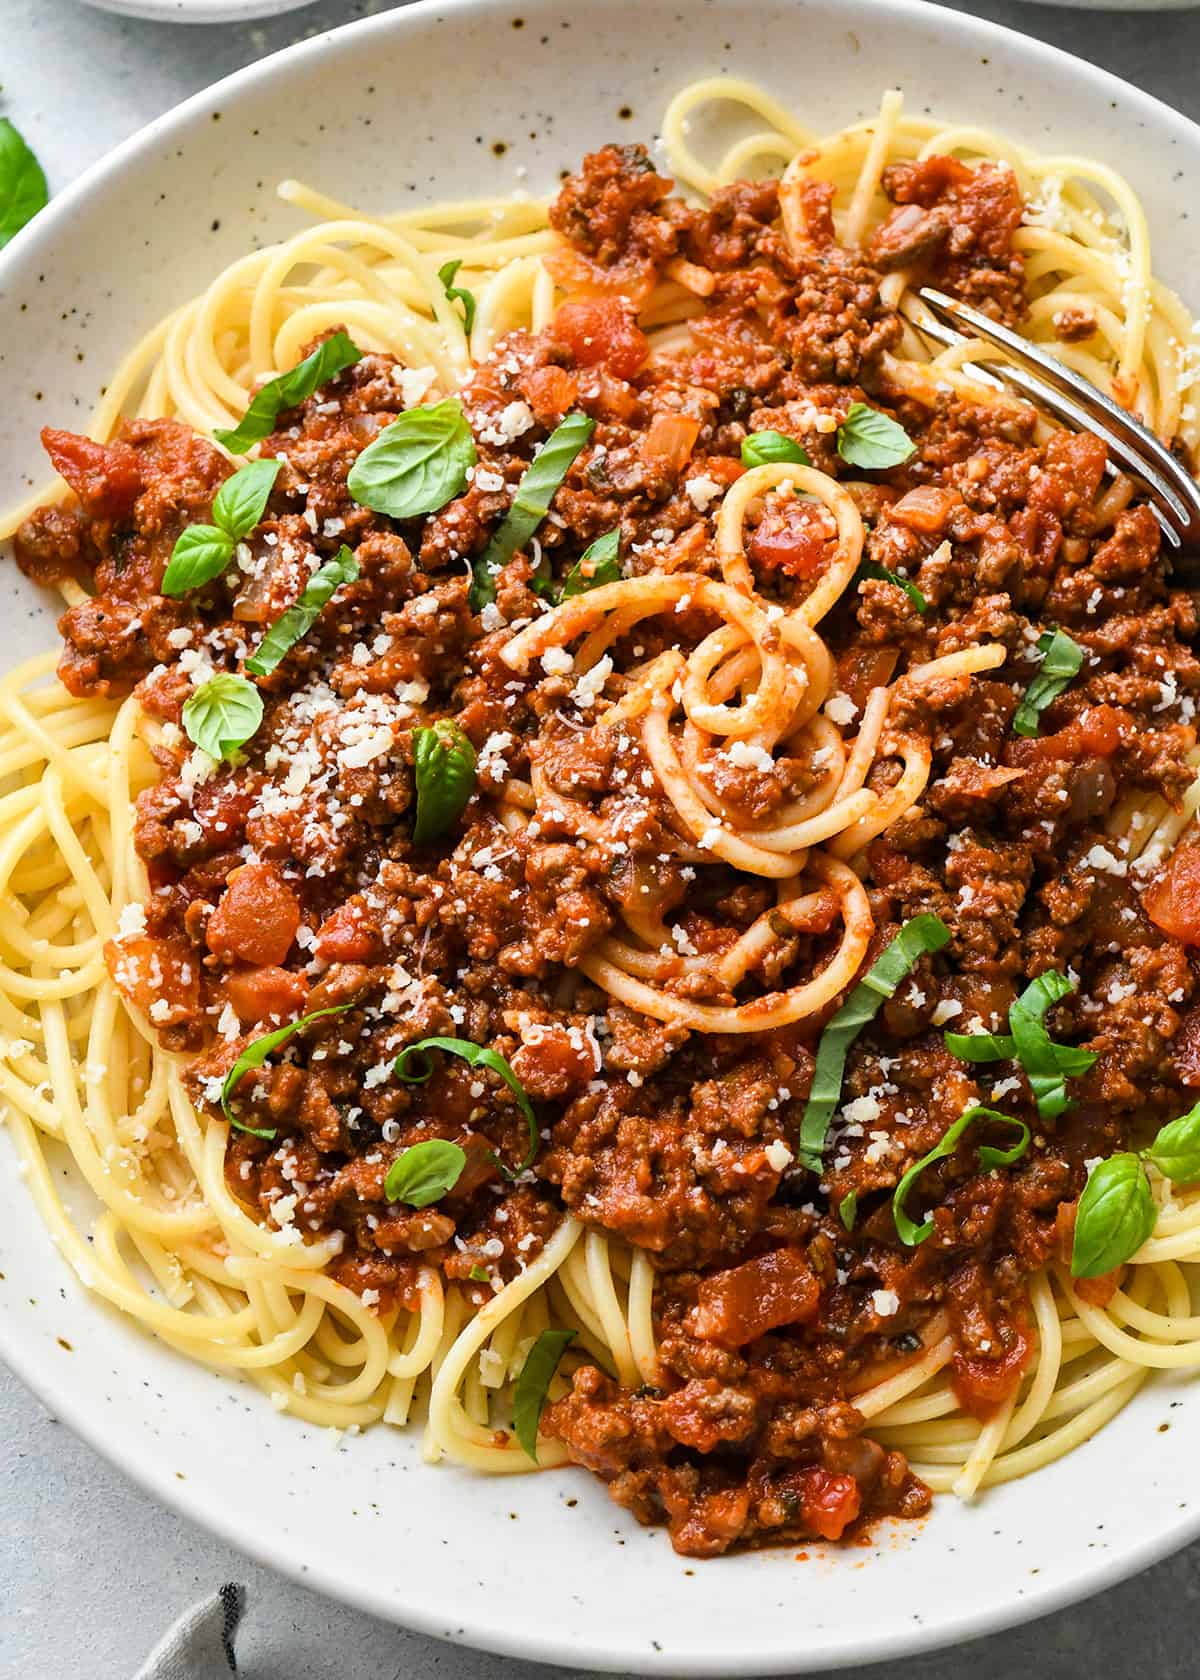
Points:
544	1568
198	11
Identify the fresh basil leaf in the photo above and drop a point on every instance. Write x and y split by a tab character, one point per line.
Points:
458	294
868	569
918	936
1176	1149
599	563
1047	1064
479	1274
417	464
761	449
1062	660
23	190
533	1385
255	1055
531	503
300	617
909	1232
424	1173
242	500
331	357
475	1055
848	1209
868	439
444	772
981	1047
222	715
201	553
1116	1215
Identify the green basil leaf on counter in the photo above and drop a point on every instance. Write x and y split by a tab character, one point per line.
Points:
23	190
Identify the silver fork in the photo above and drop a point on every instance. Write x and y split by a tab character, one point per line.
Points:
1172	493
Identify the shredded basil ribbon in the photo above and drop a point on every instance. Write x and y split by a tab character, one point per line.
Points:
475	1055
598	564
1062	660
866	438
848	1209
458	294
202	552
23	190
330	358
424	1173
531	503
444	773
222	714
868	569
533	1385
761	449
300	617
911	1233
1117	1211
1048	1065
254	1056
919	936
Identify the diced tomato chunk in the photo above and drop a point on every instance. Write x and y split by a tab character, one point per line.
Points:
602	330
256	918
1173	901
670	440
347	936
161	977
260	994
793	537
107	477
926	509
1095	733
1098	1291
983	1384
860	669
549	391
737	1306
829	1502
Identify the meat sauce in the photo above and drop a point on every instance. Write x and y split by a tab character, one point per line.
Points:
290	884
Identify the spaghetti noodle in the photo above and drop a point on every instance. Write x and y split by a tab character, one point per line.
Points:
745	726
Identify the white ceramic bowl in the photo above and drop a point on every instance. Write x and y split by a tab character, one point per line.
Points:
377	113
199	11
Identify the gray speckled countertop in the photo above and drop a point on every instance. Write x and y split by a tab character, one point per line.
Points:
76	81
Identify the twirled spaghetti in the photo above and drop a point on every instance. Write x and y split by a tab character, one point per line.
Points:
723	711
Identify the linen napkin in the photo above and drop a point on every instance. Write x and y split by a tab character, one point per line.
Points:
200	1645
